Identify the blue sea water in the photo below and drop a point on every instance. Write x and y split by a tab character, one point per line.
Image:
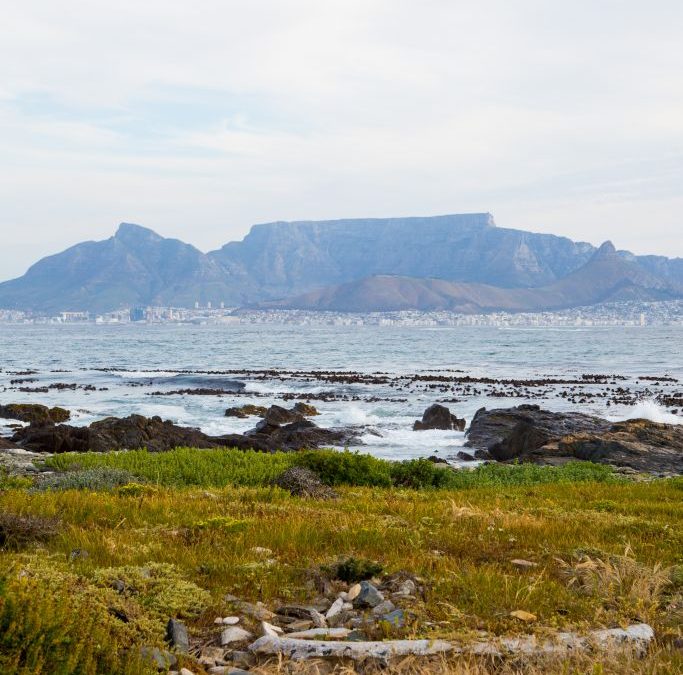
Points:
144	359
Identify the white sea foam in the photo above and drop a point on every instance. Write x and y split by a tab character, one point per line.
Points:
651	410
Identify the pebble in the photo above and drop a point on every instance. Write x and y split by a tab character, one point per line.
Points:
230	620
234	634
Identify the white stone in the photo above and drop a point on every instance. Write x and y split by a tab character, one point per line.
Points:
269	629
230	620
336	608
407	587
234	634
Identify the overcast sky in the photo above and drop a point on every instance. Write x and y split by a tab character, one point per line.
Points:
200	118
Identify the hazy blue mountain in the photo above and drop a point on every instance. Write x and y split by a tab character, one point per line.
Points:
284	260
606	277
135	266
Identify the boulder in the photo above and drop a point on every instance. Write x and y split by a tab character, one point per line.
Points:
276	416
439	417
34	413
302	482
247	410
639	444
510	433
305	409
530	434
296	436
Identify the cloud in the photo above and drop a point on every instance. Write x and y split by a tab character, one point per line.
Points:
199	119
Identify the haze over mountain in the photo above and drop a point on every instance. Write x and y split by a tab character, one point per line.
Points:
462	262
606	277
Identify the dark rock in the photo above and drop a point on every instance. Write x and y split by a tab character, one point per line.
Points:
305	409
276	415
113	433
465	456
369	596
247	410
639	444
6	444
34	413
509	433
439	417
295	436
176	635
302	482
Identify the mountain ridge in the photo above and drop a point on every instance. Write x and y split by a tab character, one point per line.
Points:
606	277
286	260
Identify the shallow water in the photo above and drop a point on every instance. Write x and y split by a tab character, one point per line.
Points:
146	359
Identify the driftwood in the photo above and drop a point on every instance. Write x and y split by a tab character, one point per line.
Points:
636	637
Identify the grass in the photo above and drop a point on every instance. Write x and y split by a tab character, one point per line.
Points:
608	552
228	467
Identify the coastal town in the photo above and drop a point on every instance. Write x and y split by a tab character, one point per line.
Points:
664	313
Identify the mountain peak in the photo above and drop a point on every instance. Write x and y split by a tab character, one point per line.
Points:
606	249
133	232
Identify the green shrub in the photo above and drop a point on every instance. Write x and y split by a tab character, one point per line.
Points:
420	473
51	623
346	468
97	478
353	570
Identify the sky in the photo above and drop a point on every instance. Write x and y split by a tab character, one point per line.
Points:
200	118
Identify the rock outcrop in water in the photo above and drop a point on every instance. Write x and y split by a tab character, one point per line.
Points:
528	433
439	417
34	413
157	435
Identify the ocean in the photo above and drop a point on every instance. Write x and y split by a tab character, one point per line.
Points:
102	370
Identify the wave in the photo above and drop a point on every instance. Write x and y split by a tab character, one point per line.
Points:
651	410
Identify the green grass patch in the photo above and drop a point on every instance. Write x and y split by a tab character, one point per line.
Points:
227	467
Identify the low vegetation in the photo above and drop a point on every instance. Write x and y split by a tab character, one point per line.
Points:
227	467
190	526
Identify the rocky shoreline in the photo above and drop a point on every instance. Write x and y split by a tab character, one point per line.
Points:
524	433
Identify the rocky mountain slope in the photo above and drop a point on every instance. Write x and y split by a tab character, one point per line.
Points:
606	277
435	262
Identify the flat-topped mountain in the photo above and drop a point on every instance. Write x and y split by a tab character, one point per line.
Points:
319	262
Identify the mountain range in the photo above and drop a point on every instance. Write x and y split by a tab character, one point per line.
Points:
458	262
